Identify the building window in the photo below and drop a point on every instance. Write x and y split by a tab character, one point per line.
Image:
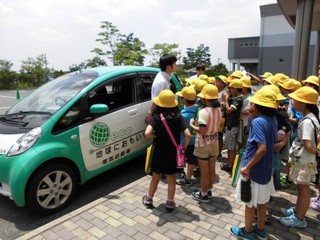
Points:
248	44
281	60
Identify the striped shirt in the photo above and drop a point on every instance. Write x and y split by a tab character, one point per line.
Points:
210	118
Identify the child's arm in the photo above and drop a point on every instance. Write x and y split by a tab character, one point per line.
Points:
308	146
149	131
201	129
187	136
262	149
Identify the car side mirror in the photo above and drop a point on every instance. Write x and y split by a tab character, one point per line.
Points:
99	108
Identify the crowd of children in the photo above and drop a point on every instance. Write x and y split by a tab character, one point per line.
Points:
277	125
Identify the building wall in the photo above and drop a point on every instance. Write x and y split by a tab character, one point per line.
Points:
243	48
277	40
274	53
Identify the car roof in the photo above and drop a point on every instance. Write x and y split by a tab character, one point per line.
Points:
121	69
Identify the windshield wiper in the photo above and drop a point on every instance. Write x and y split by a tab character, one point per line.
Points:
34	112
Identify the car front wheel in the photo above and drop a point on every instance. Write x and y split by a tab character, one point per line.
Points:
51	188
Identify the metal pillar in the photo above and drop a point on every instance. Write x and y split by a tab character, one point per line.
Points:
316	60
302	39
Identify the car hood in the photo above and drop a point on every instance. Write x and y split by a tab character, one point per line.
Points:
7	140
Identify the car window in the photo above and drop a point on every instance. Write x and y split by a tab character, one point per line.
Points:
116	94
69	120
144	85
52	96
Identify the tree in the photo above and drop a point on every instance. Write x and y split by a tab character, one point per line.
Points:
90	63
7	77
36	70
121	49
160	49
216	70
196	56
130	51
95	62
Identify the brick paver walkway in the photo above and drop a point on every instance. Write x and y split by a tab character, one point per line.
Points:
121	215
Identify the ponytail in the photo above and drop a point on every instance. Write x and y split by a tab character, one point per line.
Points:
313	109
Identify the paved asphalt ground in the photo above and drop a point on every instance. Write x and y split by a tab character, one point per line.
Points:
121	215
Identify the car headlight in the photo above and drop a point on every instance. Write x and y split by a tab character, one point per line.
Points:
25	142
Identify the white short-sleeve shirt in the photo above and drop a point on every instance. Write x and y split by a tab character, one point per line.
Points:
161	82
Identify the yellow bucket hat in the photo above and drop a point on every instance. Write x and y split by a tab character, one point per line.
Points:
199	84
166	99
274	88
312	79
291	84
246	82
222	78
204	77
188	93
266	74
190	81
209	92
237	74
281	77
273	80
235	83
211	80
265	97
305	95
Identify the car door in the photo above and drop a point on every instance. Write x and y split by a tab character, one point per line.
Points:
118	133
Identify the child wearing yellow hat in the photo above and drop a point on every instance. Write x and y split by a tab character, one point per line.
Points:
246	92
257	164
221	83
164	153
233	104
303	156
206	144
188	97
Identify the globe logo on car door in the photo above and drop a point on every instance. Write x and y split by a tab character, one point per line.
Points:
99	134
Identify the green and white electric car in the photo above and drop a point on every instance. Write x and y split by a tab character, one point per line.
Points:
72	129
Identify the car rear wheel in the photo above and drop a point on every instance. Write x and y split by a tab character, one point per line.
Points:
51	188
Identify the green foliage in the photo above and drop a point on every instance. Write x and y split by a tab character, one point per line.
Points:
219	69
160	49
7	77
197	56
130	51
36	70
90	63
120	49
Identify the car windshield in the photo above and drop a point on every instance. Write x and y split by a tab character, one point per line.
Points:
50	97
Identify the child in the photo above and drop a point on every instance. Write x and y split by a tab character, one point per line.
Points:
221	83
233	105
294	117
164	153
206	145
303	156
257	163
246	92
188	97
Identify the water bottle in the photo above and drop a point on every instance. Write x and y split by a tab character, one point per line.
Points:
281	132
245	189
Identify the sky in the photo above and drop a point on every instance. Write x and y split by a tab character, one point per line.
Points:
66	30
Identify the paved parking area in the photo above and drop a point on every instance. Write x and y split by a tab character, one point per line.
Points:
121	215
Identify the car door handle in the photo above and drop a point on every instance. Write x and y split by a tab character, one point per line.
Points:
74	137
133	111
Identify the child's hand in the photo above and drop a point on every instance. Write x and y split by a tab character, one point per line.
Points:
244	171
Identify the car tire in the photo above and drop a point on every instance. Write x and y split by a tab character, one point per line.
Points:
51	189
